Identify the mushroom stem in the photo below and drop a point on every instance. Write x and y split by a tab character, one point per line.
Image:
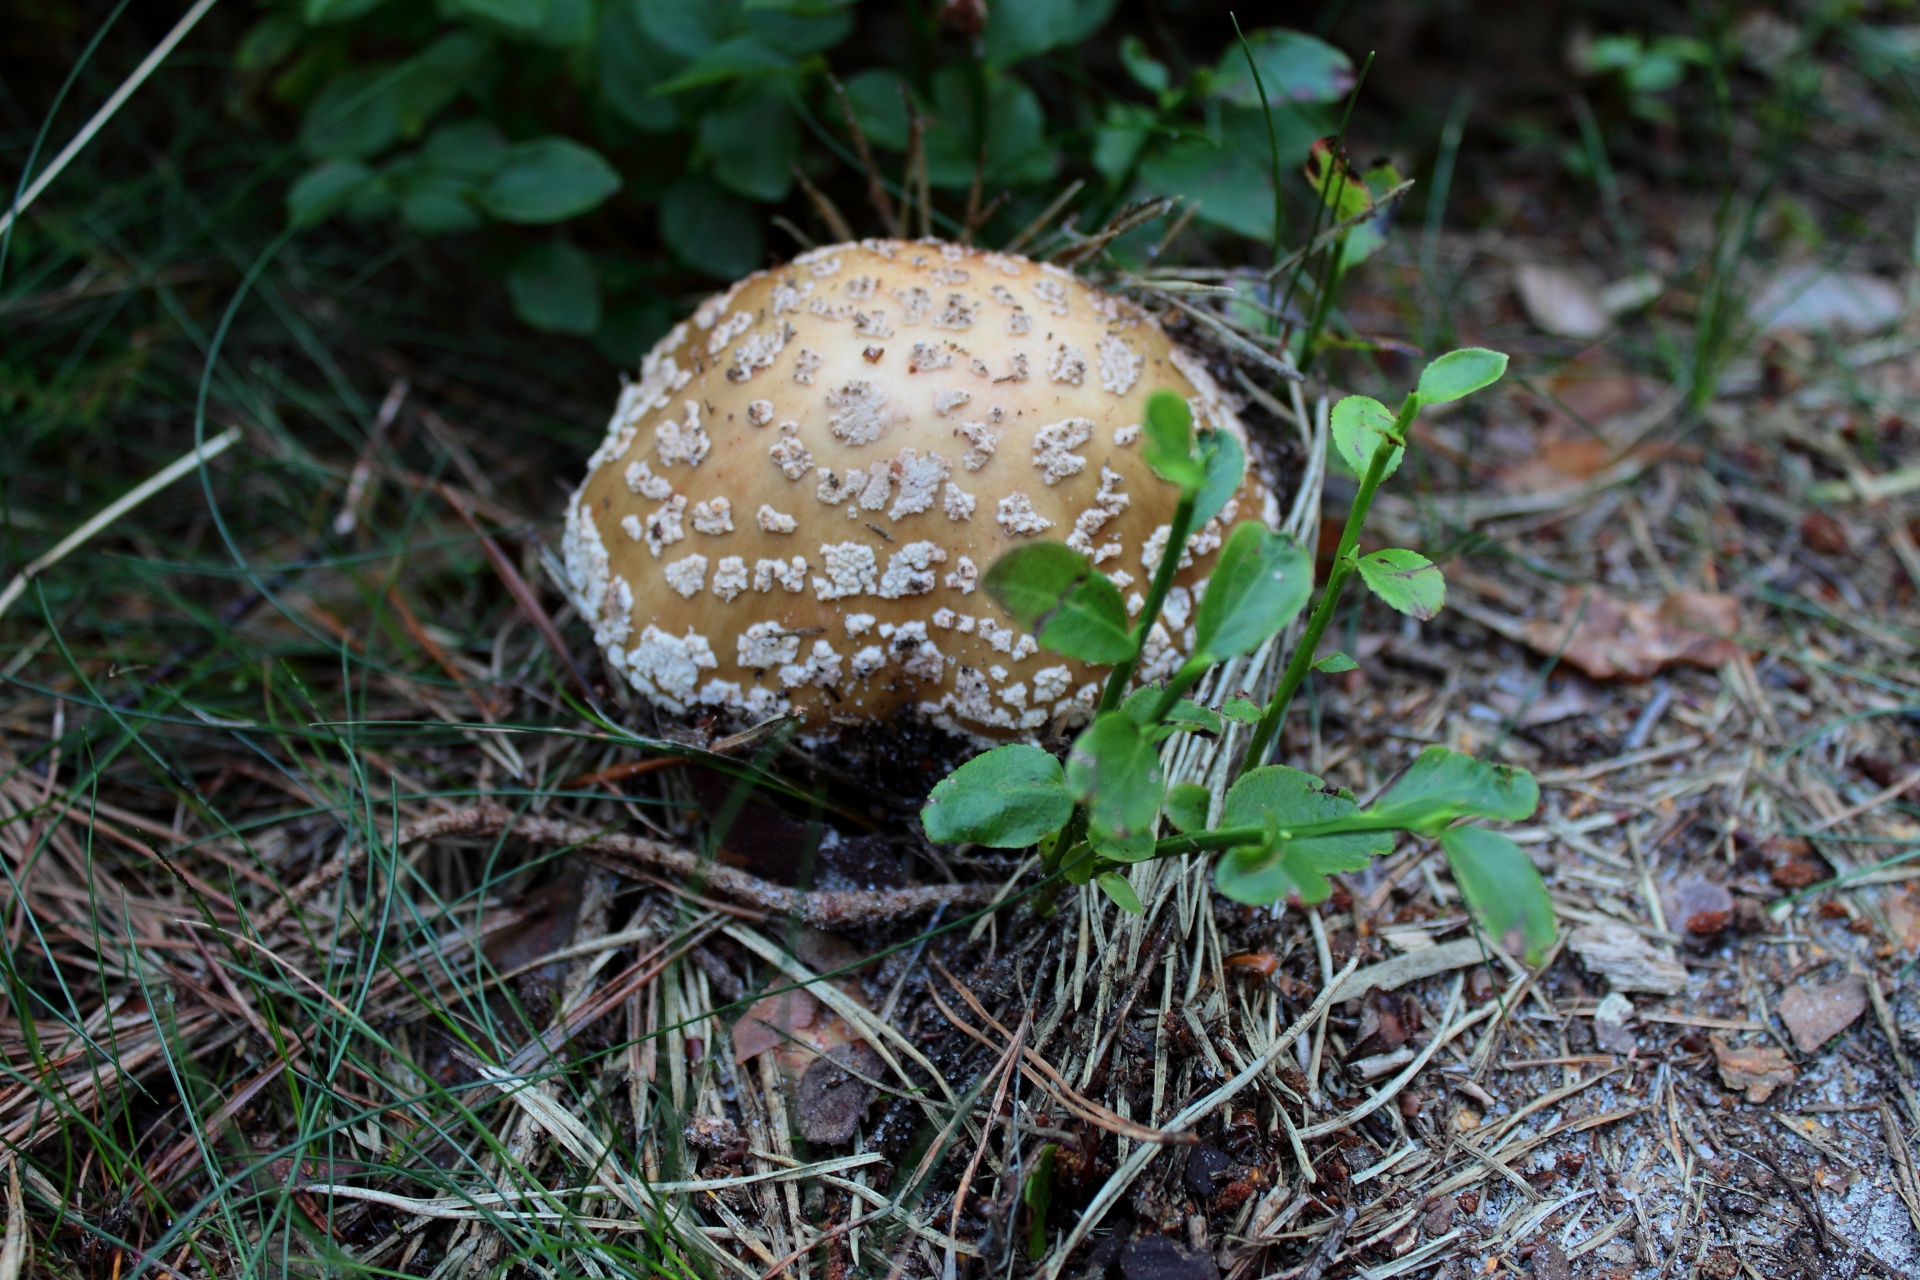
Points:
1181	526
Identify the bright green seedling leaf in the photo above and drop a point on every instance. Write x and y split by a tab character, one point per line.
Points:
1071	607
1187	805
1259	582
1360	425
1441	786
548	180
1007	798
1114	771
1168	447
1079	864
1406	580
1115	886
1502	888
1242	710
1280	799
1224	464
1037	1193
1335	663
1460	373
1184	716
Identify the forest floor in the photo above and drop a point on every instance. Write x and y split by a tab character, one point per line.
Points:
357	950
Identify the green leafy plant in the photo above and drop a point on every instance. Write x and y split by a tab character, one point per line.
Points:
593	151
1280	832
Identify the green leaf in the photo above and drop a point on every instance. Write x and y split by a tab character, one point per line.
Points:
686	27
1502	888
1224	464
1260	581
1406	580
711	228
1229	176
1441	786
517	15
435	203
1037	1193
1019	31
1334	663
754	142
631	64
1184	716
734	59
1168	447
1294	67
1115	886
877	96
317	12
1007	798
1187	806
1242	710
472	149
1460	373
1360	424
1281	798
1147	71
548	179
323	190
269	42
1016	145
1072	608
554	288
1115	772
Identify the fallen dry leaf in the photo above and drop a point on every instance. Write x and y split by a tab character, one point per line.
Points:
1559	302
834	1095
1628	961
1604	637
1817	1012
770	1020
1757	1071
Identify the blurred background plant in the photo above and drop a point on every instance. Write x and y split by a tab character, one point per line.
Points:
570	142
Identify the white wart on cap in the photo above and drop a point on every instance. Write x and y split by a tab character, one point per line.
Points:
794	505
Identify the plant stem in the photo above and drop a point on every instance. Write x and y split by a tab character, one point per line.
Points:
1122	674
1343	564
1234	837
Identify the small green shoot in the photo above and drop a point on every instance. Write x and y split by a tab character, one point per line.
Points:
1281	832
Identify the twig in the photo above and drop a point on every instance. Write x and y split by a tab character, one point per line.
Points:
822	909
837	224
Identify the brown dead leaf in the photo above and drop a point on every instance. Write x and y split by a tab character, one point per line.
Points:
1757	1071
1817	1012
1903	917
770	1020
1387	1019
1608	638
833	1093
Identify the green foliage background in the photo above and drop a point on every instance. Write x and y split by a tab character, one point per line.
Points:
600	152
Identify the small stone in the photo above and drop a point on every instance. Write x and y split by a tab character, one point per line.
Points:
1208	1169
1610	1030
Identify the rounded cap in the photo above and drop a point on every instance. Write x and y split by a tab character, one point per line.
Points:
794	505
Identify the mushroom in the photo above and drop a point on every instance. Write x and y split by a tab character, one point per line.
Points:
794	505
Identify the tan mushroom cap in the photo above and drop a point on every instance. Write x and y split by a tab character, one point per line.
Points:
794	505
